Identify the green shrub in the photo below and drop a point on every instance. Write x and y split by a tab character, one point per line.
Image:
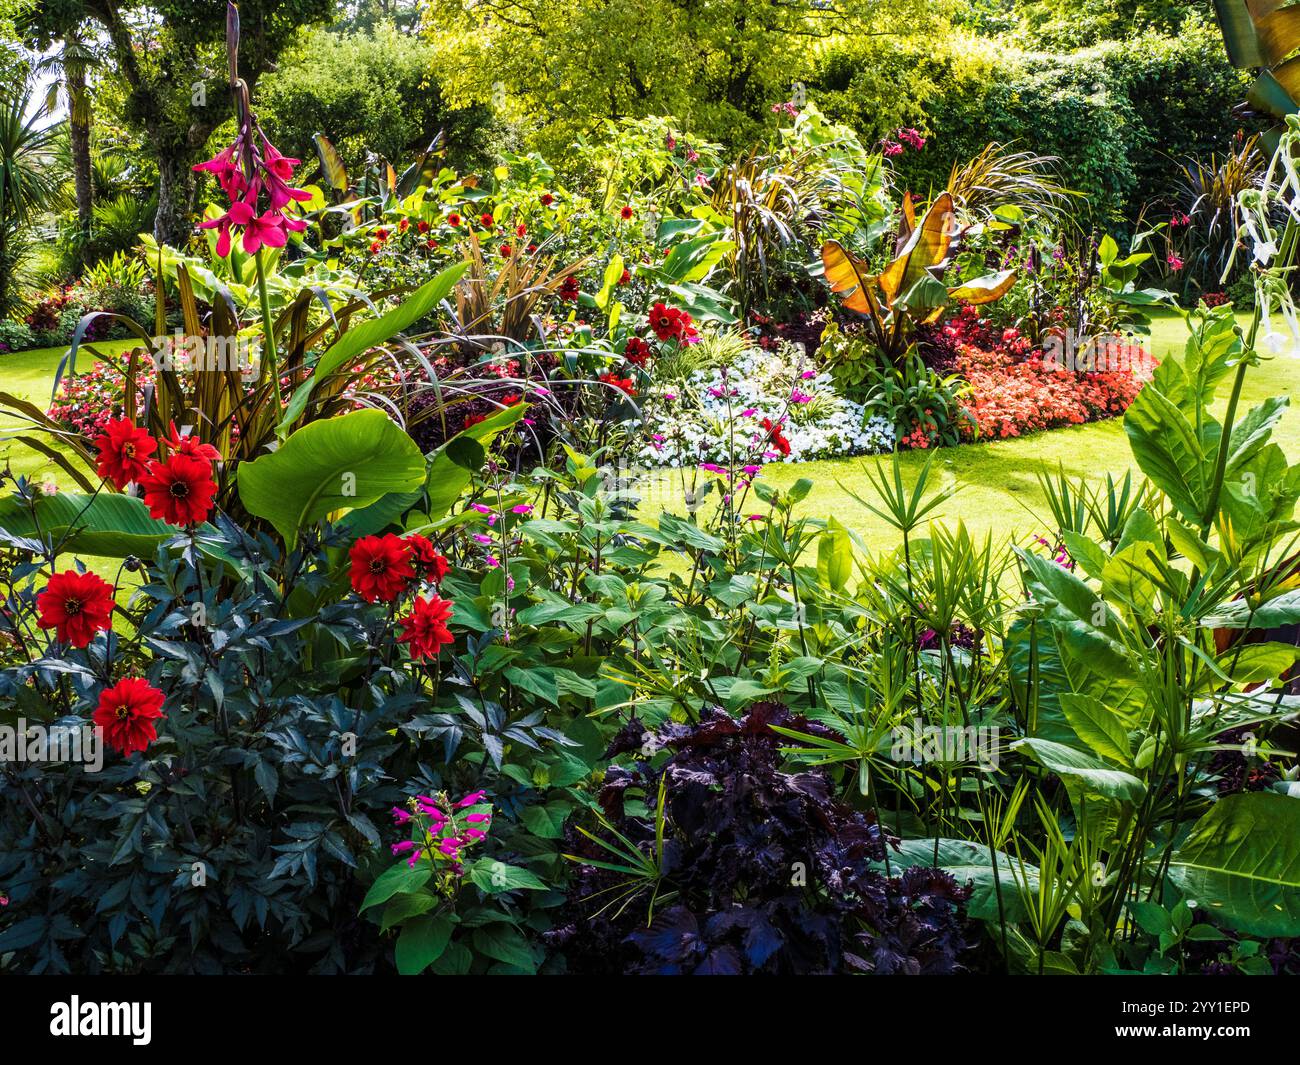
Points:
1115	113
369	92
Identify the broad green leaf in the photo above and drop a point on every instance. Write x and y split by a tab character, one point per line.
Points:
1241	863
403	906
1257	662
1094	774
108	524
421	943
835	556
494	877
399	879
1281	610
506	944
450	469
336	464
1167	451
1098	726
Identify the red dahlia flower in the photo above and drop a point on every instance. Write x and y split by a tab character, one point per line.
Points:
127	712
123	452
381	567
486	220
546	199
666	321
625	213
636	351
569	290
422	226
424	629
76	606
190	446
623	384
180	490
453	219
425	559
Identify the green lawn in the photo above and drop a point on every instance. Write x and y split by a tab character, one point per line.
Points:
29	375
997	485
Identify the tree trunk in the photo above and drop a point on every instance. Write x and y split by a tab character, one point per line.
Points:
79	144
174	222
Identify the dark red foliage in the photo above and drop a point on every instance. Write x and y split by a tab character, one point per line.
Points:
765	870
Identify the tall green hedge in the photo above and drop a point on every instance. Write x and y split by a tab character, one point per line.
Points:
1116	113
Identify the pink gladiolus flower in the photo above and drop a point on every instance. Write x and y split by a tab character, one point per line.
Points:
477	819
522	508
472	799
401	816
474	833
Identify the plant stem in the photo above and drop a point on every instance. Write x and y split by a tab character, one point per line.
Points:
268	334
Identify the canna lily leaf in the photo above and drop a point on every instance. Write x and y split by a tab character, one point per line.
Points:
335	464
986	289
847	275
927	247
331	163
1278	34
1239	34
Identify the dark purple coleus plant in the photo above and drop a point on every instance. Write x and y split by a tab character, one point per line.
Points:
251	172
762	869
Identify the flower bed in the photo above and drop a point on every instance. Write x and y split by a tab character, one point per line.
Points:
725	415
1017	388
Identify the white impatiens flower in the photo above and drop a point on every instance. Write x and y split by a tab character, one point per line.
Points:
719	416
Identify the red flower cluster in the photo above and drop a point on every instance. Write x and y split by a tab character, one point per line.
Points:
636	351
246	170
775	437
1011	395
384	567
76	606
127	712
569	290
424	629
178	490
624	384
669	323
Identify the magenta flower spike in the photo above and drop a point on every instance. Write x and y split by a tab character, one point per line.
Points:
252	173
